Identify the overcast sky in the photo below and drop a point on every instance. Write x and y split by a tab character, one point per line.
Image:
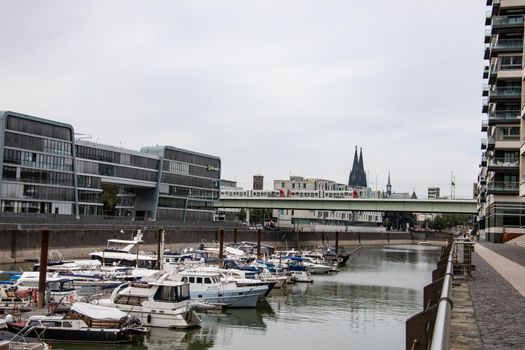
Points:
272	87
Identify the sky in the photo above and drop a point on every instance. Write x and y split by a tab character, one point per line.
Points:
278	88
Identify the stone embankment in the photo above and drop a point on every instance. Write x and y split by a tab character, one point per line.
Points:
17	245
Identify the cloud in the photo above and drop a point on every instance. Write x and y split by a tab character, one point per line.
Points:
272	87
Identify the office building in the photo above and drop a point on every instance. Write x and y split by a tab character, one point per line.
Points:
258	182
500	196
433	193
45	170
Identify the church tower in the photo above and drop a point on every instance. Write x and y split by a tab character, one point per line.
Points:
388	187
357	176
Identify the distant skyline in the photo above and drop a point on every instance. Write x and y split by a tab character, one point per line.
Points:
276	88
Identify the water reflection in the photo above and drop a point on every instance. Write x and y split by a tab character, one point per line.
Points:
365	305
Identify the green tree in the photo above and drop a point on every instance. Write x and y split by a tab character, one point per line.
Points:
109	199
242	215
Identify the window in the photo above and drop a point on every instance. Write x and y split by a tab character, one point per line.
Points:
199	279
510	62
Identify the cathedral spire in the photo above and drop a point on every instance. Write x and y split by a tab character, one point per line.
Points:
388	186
354	173
362	175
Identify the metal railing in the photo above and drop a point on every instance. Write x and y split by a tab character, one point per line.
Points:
441	334
430	328
505	115
507	20
507	44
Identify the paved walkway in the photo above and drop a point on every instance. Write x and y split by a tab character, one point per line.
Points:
497	293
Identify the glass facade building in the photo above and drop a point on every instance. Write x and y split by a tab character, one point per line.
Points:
44	170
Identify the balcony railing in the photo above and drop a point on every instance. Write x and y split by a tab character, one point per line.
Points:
502	162
507	20
507	44
503	186
483	143
506	92
504	115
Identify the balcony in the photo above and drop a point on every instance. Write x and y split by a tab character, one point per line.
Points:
488	18
503	187
485	89
483	160
506	45
503	164
505	93
484	125
485	107
491	143
484	143
512	116
488	36
507	21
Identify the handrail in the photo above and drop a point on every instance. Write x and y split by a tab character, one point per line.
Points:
441	334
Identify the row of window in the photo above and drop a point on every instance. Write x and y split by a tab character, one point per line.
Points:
84	181
85	196
188	169
193	192
25	207
38	128
185	157
50	193
37	160
38	176
189	181
103	155
86	167
37	144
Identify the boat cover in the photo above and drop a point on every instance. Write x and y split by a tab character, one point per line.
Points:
98	312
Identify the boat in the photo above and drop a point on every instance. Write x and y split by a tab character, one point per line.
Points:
11	341
121	252
160	303
84	323
207	286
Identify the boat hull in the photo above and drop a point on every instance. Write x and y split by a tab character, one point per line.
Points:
86	335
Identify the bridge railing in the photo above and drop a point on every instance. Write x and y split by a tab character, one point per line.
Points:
429	329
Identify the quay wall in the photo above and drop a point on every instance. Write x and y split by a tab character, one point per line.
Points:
17	245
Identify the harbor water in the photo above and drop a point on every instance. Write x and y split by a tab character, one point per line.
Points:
364	306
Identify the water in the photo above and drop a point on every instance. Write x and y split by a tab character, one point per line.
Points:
364	306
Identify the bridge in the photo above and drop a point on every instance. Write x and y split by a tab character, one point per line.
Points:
455	206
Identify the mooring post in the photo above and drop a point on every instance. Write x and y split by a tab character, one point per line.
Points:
44	245
258	243
359	236
221	244
235	235
336	245
159	240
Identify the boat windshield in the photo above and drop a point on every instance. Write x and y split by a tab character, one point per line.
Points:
172	293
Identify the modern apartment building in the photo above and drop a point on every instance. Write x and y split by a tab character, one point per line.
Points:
45	170
500	196
433	193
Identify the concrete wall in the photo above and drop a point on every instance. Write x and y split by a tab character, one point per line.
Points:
18	245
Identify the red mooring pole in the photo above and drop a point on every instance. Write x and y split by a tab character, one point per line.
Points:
44	245
221	244
258	243
336	245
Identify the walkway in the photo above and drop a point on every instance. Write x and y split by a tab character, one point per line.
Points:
496	294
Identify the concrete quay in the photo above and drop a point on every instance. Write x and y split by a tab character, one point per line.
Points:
489	308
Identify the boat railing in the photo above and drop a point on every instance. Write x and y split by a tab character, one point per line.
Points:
429	329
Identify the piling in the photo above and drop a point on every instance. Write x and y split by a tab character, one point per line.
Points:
159	239
336	245
235	235
221	244
258	243
44	246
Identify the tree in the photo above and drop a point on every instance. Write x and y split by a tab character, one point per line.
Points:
109	199
242	215
398	220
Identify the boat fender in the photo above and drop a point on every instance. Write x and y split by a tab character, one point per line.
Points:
71	297
148	318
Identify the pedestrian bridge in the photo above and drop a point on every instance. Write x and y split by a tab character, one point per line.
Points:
456	206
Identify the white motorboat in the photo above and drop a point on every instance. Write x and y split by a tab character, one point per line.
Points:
160	303
208	286
121	252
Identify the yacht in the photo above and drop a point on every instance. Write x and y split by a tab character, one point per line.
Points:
207	286
160	303
121	252
83	323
